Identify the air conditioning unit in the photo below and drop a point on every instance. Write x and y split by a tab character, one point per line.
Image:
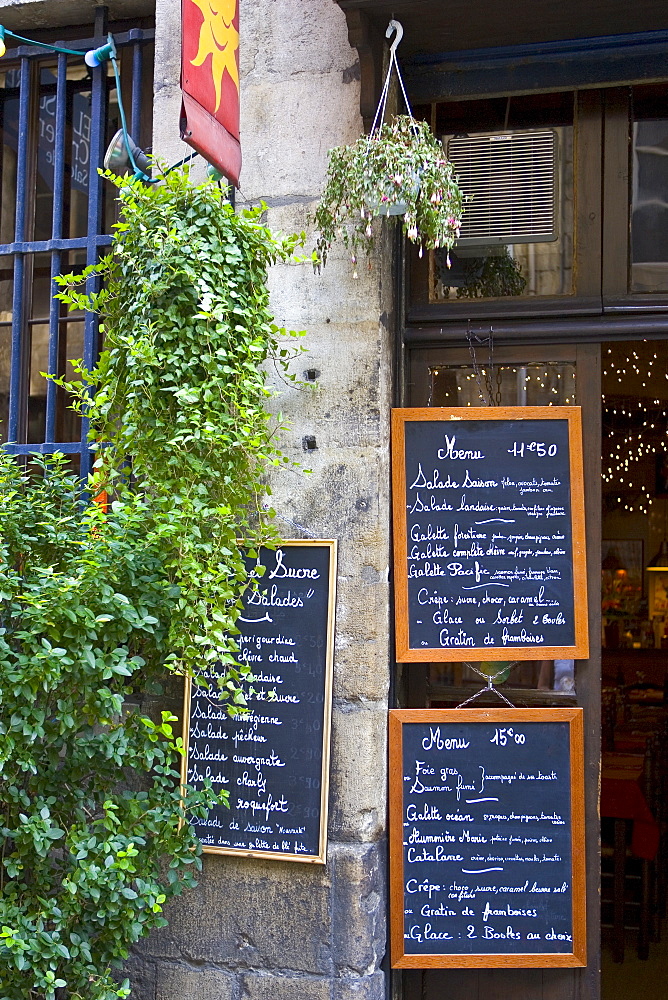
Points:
512	180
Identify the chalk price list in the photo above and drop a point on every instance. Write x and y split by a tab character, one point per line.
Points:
489	541
269	757
486	839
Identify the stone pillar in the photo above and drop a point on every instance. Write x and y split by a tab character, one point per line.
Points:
273	930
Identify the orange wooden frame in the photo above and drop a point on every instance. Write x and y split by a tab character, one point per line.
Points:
578	956
407	654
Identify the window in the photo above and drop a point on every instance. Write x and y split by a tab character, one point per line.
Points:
56	213
523	268
610	254
649	191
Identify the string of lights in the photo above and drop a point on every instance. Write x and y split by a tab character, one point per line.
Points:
530	383
635	430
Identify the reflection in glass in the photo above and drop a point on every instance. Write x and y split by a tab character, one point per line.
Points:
483	384
544	384
649	206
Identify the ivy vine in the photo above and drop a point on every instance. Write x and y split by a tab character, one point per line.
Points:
98	600
180	396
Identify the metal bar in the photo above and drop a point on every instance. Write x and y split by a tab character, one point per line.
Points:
83	44
41	320
46	246
555	330
67	448
2	155
98	111
18	400
59	149
136	93
56	232
52	363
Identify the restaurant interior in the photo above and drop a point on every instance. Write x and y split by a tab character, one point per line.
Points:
633	641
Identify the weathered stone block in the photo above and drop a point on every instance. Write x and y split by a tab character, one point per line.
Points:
183	981
359	902
367	988
269	987
142	976
254	914
294	37
357	784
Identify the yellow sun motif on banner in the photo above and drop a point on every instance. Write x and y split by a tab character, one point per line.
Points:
219	39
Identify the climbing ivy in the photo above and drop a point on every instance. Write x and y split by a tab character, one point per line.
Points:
106	585
179	396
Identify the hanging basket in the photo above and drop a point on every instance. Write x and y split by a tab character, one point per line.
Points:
399	169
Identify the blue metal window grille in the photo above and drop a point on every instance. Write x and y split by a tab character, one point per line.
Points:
56	118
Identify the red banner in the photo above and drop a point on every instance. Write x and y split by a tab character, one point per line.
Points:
210	82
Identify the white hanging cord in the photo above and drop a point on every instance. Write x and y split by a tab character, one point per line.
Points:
379	118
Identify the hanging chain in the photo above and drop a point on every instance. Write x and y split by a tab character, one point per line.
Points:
490	394
489	688
489	375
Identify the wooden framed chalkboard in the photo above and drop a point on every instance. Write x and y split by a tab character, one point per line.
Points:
489	534
487	850
274	758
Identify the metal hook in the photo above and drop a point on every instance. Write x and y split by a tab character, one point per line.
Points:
394	26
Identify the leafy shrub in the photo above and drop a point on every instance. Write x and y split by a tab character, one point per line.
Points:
181	394
84	618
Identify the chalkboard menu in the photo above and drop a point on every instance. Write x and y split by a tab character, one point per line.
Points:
487	861
273	759
489	534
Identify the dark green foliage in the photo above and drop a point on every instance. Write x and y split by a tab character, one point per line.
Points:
84	617
496	277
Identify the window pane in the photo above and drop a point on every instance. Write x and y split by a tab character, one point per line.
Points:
547	384
537	384
516	269
649	206
509	146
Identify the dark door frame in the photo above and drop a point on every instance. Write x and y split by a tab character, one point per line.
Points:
533	984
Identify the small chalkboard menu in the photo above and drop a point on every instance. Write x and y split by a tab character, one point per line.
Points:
487	864
273	759
489	542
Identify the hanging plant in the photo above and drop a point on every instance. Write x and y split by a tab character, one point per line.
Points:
179	395
400	169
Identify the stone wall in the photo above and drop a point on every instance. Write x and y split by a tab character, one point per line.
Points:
272	930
